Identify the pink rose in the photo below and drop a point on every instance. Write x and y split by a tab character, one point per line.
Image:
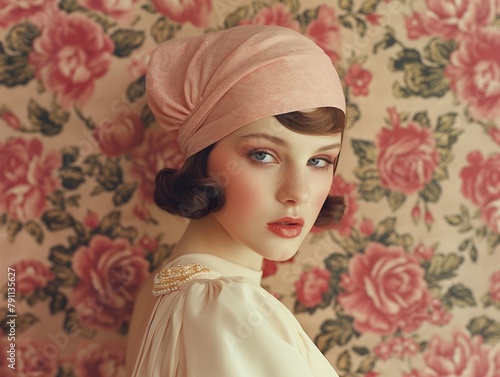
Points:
30	275
373	19
325	32
412	373
69	55
407	158
114	8
36	359
26	178
474	72
139	60
100	360
481	178
110	273
277	14
194	11
11	119
450	18
461	357
159	150
311	286
415	27
38	12
384	289
495	286
358	79
120	135
491	215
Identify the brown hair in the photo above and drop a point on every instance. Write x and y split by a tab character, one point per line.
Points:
190	193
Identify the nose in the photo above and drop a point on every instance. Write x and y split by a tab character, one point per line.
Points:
293	188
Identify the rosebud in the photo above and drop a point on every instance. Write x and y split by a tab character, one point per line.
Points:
142	212
11	119
429	219
150	244
91	220
415	213
367	227
424	252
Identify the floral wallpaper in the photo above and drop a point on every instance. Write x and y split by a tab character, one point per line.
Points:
407	286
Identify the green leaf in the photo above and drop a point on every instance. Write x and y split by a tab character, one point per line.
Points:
58	303
24	321
441	173
111	175
337	263
335	331
109	222
369	6
404	58
61	256
123	193
473	253
396	199
157	258
445	122
438	51
292	5
367	364
361	351
126	41
15	70
431	192
42	120
149	7
136	89
388	40
460	296
65	276
163	30
443	266
360	26
364	149
72	177
344	362
352	114
486	327
454	219
464	244
346	5
21	36
35	230
147	116
384	229
235	17
422	118
55	219
305	17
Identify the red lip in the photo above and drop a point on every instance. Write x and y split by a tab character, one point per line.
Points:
287	227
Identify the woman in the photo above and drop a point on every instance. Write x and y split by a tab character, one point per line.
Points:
259	113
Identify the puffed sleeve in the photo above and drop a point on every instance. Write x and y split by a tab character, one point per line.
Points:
231	327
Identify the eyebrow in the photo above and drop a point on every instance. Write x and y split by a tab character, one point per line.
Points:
281	142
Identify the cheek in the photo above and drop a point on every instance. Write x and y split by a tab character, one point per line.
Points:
321	189
244	194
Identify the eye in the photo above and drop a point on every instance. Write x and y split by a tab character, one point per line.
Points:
261	156
320	162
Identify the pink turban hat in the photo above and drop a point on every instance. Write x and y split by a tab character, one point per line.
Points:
206	87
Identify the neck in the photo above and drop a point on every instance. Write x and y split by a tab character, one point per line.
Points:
207	236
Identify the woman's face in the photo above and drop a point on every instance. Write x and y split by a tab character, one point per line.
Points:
275	182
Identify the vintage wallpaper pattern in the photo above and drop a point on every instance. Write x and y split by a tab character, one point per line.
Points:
408	286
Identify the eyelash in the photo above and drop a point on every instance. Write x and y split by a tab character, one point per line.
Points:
251	156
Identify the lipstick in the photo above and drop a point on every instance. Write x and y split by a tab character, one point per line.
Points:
287	227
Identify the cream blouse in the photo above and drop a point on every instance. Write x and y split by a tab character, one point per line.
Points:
211	318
